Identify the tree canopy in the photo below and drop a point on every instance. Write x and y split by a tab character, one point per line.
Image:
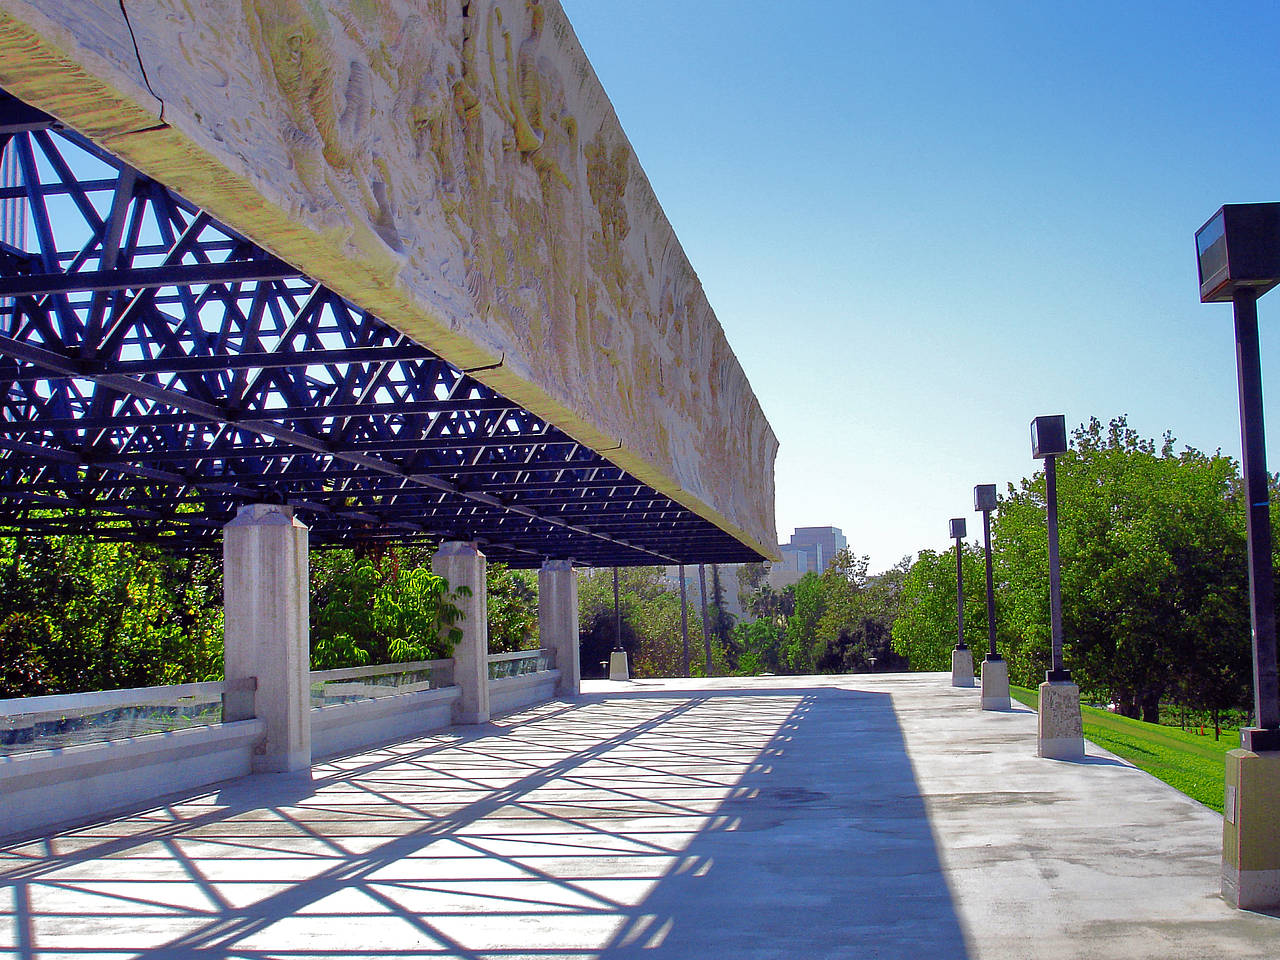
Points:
1154	580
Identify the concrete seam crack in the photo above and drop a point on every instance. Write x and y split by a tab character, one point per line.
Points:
137	53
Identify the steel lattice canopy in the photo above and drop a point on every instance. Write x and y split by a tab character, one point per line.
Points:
160	370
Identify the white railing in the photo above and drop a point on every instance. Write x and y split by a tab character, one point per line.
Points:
521	663
329	687
45	723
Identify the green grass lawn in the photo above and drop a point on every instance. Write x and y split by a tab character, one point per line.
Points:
1188	762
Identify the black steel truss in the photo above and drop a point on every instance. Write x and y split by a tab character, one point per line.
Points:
159	370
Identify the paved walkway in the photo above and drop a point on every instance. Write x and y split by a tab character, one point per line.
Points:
833	817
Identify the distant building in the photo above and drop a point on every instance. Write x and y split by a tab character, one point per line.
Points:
811	548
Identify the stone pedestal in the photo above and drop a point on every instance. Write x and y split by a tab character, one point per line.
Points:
618	665
1250	831
995	684
962	667
558	622
463	565
267	630
1061	729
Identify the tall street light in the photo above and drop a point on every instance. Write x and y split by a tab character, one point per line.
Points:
961	656
684	620
618	667
1061	734
1238	253
995	672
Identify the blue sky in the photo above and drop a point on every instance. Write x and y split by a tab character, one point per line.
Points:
923	224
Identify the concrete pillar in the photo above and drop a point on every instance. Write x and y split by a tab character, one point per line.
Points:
267	628
1061	728
961	667
1250	838
619	669
558	622
463	565
995	685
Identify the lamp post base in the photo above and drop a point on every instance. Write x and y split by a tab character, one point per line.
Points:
995	685
962	667
1061	733
618	669
1250	843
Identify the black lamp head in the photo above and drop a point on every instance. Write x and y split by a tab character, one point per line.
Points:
1239	248
1048	436
984	497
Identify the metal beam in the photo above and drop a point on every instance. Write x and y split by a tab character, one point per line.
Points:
147	278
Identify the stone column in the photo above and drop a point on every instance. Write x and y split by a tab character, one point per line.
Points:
267	628
463	565
995	685
558	622
962	667
1250	838
1061	729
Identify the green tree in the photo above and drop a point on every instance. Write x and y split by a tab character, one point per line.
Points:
857	628
924	631
759	645
799	653
372	609
650	624
720	618
751	579
78	614
1153	571
513	609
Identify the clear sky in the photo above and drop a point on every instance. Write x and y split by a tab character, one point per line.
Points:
923	224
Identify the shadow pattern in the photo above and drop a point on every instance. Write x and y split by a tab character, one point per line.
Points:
747	823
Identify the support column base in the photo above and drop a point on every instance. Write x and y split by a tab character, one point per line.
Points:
281	762
1250	841
618	669
962	667
1061	731
995	685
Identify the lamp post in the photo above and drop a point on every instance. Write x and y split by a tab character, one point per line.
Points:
995	672
1061	732
684	620
1238	254
618	667
961	656
706	621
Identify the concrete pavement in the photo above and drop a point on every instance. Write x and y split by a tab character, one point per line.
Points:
785	817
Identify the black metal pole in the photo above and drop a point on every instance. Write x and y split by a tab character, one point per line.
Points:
1266	694
706	624
684	621
960	596
1055	580
991	594
617	614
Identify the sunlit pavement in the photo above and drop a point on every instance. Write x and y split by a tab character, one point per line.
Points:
784	817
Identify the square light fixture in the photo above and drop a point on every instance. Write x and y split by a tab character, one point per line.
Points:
984	497
1239	248
1048	436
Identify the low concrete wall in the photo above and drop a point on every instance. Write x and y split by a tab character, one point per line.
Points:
85	782
341	727
512	693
